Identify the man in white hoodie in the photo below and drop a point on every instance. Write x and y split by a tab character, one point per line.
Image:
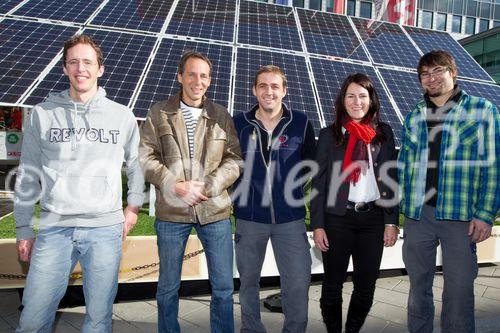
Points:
73	150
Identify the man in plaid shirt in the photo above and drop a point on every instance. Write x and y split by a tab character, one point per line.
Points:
450	193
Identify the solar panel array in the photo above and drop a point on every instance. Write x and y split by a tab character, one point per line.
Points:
143	40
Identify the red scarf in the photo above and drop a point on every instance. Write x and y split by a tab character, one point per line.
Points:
360	135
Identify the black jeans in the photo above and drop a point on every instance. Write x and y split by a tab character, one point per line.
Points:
362	236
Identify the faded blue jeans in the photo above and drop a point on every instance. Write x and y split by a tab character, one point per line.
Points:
54	256
217	242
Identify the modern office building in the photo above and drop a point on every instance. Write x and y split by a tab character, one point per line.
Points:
461	18
485	48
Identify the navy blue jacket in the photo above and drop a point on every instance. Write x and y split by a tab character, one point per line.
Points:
263	193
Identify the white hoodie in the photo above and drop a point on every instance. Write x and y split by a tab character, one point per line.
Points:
71	162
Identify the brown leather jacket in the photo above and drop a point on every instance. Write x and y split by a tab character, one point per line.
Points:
164	158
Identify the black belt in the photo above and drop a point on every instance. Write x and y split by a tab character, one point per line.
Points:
361	207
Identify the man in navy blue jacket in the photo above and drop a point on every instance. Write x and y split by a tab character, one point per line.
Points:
276	143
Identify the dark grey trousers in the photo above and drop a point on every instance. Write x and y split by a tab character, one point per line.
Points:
459	271
291	252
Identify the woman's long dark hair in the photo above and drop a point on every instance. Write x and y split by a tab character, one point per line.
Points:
371	117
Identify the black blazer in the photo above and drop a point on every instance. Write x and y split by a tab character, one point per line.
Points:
329	157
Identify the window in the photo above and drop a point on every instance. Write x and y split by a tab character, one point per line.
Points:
458	7
471	7
315	4
470	25
442	5
365	9
329	5
483	25
426	19
298	3
351	7
496	24
428	4
456	25
441	21
485	10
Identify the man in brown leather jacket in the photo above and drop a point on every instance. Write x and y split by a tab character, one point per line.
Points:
190	152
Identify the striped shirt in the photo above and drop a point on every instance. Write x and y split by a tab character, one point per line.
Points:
469	167
191	116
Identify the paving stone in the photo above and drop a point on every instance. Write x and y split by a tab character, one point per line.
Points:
73	319
314	311
388	283
9	302
187	307
493	293
488	305
136	312
12	319
373	325
5	325
391	297
315	293
314	326
395	328
389	312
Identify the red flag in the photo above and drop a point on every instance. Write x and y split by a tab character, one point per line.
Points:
395	11
339	6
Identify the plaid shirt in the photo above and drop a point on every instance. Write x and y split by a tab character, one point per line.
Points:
469	175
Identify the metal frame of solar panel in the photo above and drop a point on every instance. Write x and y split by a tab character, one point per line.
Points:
143	40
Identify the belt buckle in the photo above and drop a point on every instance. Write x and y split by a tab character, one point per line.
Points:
361	207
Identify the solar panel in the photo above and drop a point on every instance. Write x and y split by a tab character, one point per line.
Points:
329	76
489	91
387	43
161	80
300	96
428	40
268	25
26	48
204	19
62	10
330	34
135	15
404	87
8	5
125	56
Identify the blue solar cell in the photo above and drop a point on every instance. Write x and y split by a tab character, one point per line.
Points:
300	94
489	91
161	80
387	43
125	56
204	19
404	87
268	25
26	48
135	15
428	40
330	34
8	5
330	75
63	10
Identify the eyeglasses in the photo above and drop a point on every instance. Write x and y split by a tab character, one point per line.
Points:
437	72
87	63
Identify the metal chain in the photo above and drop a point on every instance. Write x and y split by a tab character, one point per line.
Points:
79	276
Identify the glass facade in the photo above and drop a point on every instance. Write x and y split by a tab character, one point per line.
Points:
462	17
486	51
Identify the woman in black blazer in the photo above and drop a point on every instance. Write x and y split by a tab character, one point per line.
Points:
354	210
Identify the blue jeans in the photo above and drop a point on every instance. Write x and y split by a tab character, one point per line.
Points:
216	239
54	256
